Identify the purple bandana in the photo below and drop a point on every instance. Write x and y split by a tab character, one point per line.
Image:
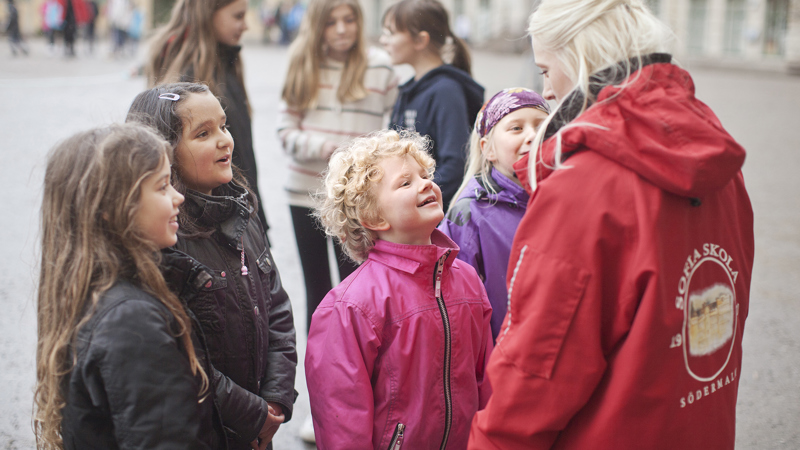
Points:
505	102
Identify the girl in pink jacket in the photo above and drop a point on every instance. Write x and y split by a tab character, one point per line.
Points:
396	353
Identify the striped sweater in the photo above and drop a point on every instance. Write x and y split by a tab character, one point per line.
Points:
303	133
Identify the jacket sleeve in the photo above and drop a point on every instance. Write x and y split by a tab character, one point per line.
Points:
450	132
300	144
342	347
278	384
146	378
563	318
241	410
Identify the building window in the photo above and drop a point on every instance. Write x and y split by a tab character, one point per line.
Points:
775	27
734	26
697	25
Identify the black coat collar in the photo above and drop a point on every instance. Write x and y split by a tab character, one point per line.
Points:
227	211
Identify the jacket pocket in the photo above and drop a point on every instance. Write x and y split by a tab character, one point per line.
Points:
544	294
209	304
397	437
264	262
268	274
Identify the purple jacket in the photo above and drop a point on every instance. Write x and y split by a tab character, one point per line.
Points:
483	225
395	356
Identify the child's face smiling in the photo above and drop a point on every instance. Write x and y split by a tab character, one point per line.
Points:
409	203
511	138
205	149
157	217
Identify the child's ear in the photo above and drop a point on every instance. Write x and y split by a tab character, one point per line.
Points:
487	150
422	40
378	225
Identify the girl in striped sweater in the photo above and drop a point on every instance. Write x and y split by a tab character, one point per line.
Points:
336	89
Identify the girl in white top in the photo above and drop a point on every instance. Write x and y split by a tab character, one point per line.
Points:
336	89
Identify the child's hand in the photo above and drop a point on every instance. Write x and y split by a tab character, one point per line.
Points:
274	420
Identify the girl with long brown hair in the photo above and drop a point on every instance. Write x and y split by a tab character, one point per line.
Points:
200	43
336	89
115	352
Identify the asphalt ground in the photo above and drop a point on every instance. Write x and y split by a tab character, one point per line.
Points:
45	98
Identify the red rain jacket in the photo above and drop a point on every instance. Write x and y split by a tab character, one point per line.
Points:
629	282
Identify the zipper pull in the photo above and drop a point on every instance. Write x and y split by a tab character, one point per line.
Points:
400	430
439	269
397	438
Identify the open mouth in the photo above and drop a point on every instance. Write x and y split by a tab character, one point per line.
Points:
428	201
224	159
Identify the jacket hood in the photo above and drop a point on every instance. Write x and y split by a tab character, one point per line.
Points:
505	190
473	91
655	127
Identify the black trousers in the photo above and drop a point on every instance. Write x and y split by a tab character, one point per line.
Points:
313	247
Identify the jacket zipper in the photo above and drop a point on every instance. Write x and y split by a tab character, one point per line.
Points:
448	400
397	437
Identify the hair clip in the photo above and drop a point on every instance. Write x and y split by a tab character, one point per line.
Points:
170	96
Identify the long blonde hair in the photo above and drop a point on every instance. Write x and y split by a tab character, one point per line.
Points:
477	164
92	188
589	36
307	52
185	48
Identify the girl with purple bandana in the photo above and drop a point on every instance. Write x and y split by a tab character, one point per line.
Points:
491	201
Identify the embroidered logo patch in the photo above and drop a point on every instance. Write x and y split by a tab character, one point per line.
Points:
707	298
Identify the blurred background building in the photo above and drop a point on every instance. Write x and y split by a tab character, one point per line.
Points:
759	34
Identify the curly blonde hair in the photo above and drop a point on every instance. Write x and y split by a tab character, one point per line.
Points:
347	201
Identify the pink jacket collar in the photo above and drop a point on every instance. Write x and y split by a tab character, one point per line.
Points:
414	258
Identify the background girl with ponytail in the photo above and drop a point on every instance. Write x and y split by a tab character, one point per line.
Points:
442	100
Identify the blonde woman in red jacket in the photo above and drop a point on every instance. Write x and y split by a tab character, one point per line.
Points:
630	272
